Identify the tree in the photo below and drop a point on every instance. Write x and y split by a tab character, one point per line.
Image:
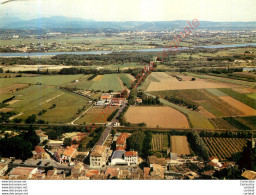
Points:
135	141
67	142
31	119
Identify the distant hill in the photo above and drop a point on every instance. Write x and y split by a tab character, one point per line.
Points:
78	23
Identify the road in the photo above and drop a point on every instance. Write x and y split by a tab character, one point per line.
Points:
108	128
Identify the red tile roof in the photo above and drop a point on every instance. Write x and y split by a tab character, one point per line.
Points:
147	170
39	149
69	151
131	153
22	171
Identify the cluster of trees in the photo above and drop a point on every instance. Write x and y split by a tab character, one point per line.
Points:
140	141
198	145
4	116
121	116
150	100
182	102
56	131
111	116
41	112
20	146
95	135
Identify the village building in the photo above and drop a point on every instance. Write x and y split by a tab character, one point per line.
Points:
121	140
99	156
39	153
22	173
138	100
118	158
131	157
3	168
41	135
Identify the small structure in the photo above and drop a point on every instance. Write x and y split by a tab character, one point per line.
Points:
138	100
214	161
121	140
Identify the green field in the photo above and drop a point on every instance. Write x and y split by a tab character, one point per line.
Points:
63	112
216	92
4	97
126	80
33	96
252	95
108	82
55	80
240	97
82	84
222	79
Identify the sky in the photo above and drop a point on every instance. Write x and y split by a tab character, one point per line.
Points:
133	10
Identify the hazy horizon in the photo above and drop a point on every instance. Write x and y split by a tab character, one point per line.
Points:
133	10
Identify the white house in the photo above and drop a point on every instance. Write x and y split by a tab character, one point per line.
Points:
131	157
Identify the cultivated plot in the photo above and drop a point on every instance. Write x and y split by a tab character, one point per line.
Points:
180	145
165	117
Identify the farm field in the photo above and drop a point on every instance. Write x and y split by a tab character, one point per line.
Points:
252	95
238	105
165	117
212	104
222	79
162	76
12	88
176	85
96	115
63	112
82	83
180	145
55	80
159	142
240	97
223	148
126	79
196	119
34	96
108	82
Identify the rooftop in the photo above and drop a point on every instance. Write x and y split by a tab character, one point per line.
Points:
22	171
118	154
39	149
69	151
131	153
99	150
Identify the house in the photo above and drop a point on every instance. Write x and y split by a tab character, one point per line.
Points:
112	172
39	153
100	103
22	173
98	157
121	140
68	154
106	97
214	161
131	157
3	168
138	100
118	158
78	168
41	135
117	101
